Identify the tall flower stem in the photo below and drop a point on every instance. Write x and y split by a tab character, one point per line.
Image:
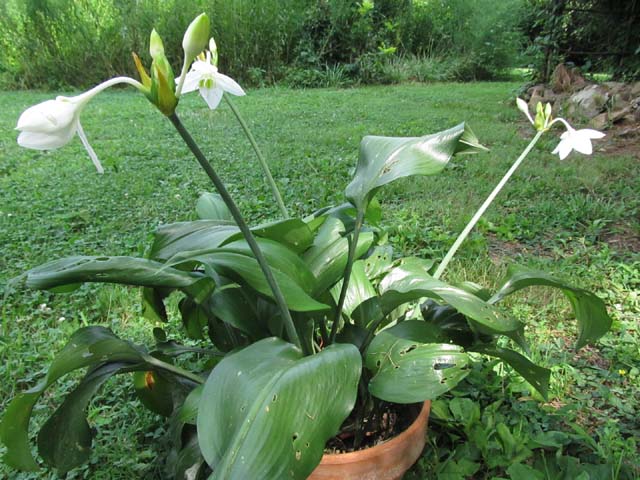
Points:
353	246
237	216
261	159
461	238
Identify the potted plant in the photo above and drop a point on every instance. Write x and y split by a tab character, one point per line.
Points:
304	329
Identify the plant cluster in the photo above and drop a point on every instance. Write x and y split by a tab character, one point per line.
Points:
299	43
301	322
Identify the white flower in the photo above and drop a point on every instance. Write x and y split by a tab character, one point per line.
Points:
54	123
212	84
578	140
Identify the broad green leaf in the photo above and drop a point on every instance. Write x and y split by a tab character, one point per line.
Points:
210	206
359	290
266	411
327	258
154	391
87	346
153	308
292	232
537	376
126	270
175	238
379	262
590	311
194	318
64	441
238	308
407	369
244	268
406	283
385	159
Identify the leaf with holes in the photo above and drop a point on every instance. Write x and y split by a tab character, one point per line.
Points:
408	368
267	411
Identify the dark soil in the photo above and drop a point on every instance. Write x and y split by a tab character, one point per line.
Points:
384	423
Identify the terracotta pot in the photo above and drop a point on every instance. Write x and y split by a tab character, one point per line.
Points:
387	461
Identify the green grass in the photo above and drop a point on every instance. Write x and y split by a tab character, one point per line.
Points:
577	219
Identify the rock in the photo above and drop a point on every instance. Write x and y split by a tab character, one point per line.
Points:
635	89
561	79
564	79
619	100
589	102
617	115
600	122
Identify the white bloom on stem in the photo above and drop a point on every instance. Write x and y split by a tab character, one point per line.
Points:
53	123
204	76
571	139
578	140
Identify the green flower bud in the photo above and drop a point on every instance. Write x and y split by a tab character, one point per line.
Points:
213	48
156	48
195	38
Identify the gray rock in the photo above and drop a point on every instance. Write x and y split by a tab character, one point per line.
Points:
600	122
589	102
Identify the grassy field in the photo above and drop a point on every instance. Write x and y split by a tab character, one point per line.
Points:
578	219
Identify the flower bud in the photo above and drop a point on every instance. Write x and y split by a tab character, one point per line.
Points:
156	48
195	38
213	48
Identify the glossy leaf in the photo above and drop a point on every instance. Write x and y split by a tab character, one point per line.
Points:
210	206
125	270
327	258
406	283
590	311
64	441
359	290
175	238
267	411
88	346
537	376
409	368
154	391
385	159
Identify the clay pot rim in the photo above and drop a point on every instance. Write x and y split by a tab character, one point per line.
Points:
347	457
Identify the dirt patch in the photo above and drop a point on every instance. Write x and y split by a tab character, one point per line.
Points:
622	238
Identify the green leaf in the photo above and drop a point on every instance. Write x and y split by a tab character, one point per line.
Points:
292	232
359	290
155	391
210	206
537	376
327	258
385	159
590	311
267	411
64	441
407	369
175	238
87	346
409	282
126	270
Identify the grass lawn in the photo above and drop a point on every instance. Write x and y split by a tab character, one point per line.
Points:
579	219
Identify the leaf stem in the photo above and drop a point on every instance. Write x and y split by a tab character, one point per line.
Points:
472	223
353	246
237	216
168	367
261	159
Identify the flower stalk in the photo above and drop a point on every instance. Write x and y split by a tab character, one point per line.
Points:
472	223
244	228
261	159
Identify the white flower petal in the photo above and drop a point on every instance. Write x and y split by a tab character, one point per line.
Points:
563	149
47	117
45	141
191	82
228	84
582	143
595	134
212	96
